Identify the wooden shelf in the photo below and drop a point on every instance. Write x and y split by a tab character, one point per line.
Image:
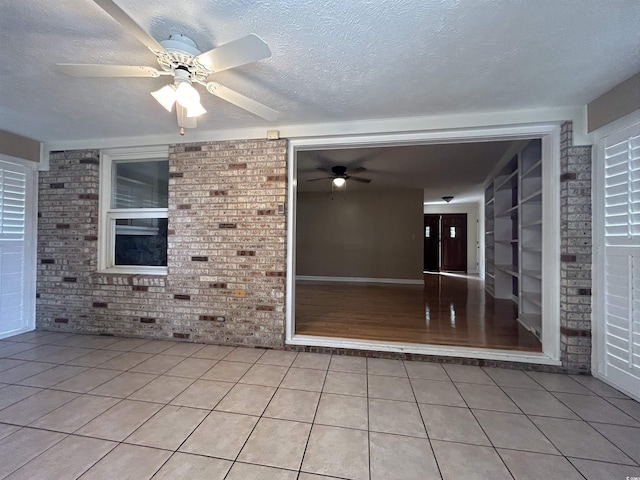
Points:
535	298
532	169
511	212
535	223
508	269
532	273
533	197
508	182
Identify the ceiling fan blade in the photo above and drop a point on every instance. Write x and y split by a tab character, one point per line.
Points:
89	70
129	24
316	179
183	120
357	170
359	179
233	54
241	101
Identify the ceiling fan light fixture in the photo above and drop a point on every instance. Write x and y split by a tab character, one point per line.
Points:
187	95
339	182
166	96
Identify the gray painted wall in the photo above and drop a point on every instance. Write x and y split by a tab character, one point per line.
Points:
618	102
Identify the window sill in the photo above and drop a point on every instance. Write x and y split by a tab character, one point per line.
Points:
134	279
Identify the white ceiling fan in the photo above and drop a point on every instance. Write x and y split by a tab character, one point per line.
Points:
180	58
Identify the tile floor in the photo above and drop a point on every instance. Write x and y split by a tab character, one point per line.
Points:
92	407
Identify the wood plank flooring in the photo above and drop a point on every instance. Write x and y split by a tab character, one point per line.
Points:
449	310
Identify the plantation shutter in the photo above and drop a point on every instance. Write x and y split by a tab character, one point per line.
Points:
622	257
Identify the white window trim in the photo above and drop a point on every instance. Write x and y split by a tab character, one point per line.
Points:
107	215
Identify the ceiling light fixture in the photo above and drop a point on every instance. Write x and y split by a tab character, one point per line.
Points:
339	182
181	92
448	198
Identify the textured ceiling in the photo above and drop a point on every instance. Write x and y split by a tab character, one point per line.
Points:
332	60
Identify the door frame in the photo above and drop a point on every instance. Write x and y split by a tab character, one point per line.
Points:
550	135
31	243
598	333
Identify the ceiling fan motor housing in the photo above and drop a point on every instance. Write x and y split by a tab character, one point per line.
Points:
180	53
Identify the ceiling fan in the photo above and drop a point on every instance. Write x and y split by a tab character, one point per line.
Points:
339	176
180	58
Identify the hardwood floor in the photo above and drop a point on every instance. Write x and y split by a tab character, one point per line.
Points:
450	309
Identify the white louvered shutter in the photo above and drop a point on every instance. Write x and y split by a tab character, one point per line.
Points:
13	218
622	258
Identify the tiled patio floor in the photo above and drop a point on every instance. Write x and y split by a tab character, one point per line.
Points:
91	407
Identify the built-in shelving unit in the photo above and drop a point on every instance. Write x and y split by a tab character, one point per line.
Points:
513	236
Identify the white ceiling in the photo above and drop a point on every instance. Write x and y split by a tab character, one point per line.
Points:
332	61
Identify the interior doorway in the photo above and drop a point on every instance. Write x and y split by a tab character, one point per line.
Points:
445	242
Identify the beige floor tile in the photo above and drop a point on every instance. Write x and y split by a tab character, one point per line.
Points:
343	411
304	379
390	416
512	378
158	364
338	452
28	369
630	407
22	446
596	409
52	376
220	435
86	341
154	347
296	405
168	428
126	361
276	443
592	445
510	430
486	397
453	424
30	409
534	402
66	460
53	353
437	392
87	380
468	374
536	466
395	457
317	361
348	364
245	355
184	349
383	366
14	393
94	358
555	382
246	399
593	470
75	414
313	476
128	462
245	471
626	439
278	357
597	386
193	467
227	371
123	385
161	390
266	375
203	394
457	460
191	367
7	363
127	344
390	388
120	421
213	352
345	383
8	349
6	430
426	371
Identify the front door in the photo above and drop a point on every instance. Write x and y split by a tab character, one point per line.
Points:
431	243
17	250
454	242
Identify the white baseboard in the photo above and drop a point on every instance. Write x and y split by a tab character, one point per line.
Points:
401	281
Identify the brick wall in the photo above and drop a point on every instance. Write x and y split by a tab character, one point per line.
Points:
226	254
575	254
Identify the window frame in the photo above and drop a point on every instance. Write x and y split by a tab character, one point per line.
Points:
107	216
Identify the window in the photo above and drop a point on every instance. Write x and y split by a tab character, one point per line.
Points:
452	232
134	192
427	232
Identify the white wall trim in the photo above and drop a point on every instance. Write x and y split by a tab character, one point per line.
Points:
550	134
415	348
444	123
400	281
